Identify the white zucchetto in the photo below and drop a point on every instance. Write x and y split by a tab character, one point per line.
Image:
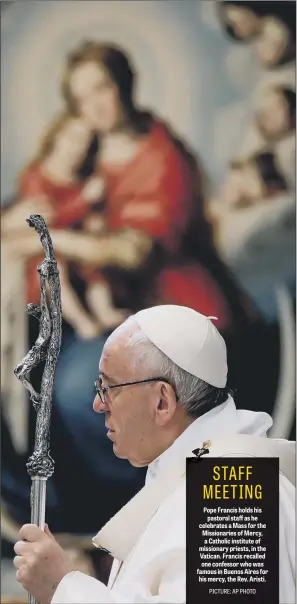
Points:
189	339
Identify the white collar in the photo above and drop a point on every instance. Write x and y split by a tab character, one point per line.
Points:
204	428
209	425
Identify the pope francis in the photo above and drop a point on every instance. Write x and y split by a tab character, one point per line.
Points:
162	387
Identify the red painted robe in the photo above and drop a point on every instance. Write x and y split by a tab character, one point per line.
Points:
155	193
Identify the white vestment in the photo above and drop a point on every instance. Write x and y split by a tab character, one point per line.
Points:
148	536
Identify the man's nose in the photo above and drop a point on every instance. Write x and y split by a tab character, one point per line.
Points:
98	406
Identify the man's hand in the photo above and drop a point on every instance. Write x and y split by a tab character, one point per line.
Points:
40	561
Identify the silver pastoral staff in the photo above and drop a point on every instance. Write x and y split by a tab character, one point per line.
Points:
40	465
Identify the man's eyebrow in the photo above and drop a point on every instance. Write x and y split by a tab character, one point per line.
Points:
106	377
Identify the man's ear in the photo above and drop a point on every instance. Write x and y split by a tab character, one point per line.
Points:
166	405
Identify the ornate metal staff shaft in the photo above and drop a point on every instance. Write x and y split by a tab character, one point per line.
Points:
40	465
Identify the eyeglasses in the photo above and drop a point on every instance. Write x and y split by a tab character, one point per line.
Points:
101	390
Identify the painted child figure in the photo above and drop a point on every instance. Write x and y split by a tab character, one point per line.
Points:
52	177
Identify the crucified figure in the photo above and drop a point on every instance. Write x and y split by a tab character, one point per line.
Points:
38	352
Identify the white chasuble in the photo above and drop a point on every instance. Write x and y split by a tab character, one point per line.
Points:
147	537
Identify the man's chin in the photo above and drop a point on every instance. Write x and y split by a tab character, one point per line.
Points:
137	464
121	455
117	451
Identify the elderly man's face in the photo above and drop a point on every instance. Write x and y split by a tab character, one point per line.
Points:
138	417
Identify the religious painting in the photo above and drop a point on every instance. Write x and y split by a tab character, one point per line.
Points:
162	159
